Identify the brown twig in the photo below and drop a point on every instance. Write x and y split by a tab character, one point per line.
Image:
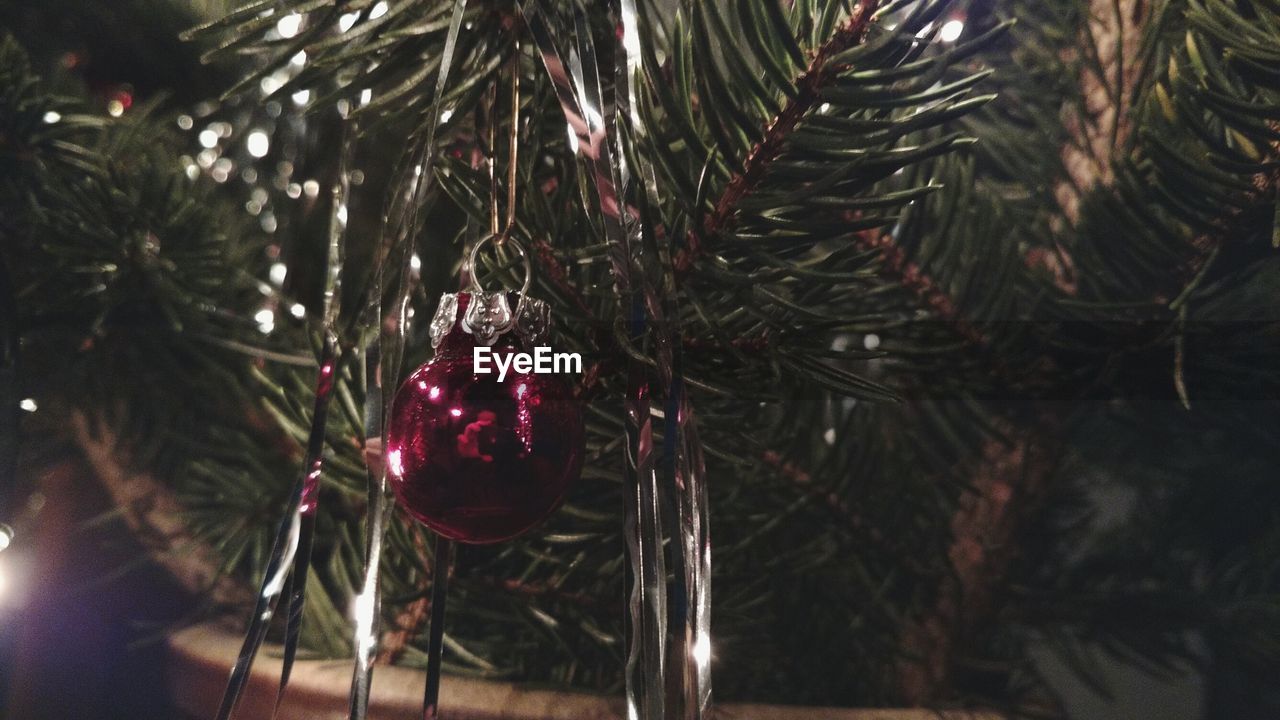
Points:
155	517
803	481
537	590
1007	484
817	74
894	262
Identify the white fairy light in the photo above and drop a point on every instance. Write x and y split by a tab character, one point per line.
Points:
301	97
378	10
300	59
185	122
415	262
446	114
311	188
29	404
951	30
346	21
208	138
298	310
270	84
52	117
258	143
871	341
278	272
266	320
289	25
222	168
365	96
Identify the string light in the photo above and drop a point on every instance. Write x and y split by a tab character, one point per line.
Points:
270	84
258	143
278	272
289	25
266	320
951	30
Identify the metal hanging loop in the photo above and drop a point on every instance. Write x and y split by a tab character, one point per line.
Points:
488	314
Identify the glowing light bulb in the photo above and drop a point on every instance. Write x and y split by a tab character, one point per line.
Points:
951	30
266	320
289	25
258	143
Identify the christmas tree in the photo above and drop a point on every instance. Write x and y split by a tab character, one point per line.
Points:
953	322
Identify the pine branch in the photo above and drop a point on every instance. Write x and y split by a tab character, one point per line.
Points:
819	73
803	481
1008	482
915	280
559	277
1266	186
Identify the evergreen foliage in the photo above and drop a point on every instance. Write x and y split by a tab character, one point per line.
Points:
960	398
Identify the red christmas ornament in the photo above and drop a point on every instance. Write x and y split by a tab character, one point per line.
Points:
475	458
